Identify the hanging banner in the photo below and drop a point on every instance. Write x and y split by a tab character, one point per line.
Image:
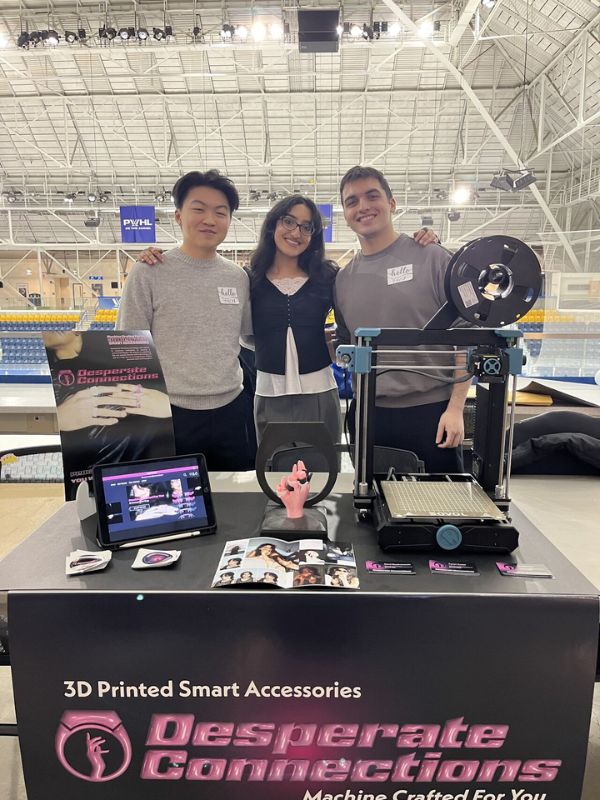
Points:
111	400
138	224
244	695
326	210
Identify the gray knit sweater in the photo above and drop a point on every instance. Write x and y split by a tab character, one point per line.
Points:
196	311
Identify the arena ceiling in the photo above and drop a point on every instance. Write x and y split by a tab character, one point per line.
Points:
461	91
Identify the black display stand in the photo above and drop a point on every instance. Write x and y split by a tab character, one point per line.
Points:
417	683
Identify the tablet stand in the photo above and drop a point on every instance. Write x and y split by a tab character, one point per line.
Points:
85	502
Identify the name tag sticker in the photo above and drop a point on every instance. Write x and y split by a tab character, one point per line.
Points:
400	274
228	295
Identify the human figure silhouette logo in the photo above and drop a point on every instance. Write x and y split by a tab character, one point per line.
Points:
66	377
93	745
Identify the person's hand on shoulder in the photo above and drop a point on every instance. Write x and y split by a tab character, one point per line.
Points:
151	255
424	236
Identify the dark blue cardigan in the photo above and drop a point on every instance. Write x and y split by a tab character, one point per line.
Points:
305	312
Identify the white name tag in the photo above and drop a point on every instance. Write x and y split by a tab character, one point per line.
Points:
400	274
228	295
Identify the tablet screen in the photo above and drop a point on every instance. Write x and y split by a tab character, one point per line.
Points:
152	498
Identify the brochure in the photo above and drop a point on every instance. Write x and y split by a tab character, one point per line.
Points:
310	562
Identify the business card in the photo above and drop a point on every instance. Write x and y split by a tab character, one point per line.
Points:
453	568
523	570
391	567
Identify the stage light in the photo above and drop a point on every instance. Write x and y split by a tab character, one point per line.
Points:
69	198
23	40
11	197
35	37
258	31
92	197
276	30
488	3
524	179
124	33
70	37
51	37
158	34
103	197
340	30
227	31
195	31
502	181
461	195
367	31
107	33
142	34
82	34
168	31
426	219
241	32
356	31
384	27
453	216
395	29
426	28
347	27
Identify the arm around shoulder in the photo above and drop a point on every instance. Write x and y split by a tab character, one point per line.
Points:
135	311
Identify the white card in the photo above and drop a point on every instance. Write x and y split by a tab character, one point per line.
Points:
150	559
468	294
80	561
400	274
228	295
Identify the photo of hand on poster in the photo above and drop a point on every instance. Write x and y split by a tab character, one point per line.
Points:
111	400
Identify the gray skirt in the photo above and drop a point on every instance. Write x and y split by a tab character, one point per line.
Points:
320	407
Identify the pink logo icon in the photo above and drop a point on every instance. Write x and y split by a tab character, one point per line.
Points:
93	745
66	377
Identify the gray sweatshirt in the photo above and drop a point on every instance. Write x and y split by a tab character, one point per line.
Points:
196	311
399	287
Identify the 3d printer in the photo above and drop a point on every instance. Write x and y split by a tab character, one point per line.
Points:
490	283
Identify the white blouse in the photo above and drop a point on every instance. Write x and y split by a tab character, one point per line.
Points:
269	385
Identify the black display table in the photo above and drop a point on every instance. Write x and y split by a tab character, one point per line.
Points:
150	683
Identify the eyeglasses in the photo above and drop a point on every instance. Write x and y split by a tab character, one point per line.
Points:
290	224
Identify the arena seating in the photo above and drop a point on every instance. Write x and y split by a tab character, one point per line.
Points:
104	320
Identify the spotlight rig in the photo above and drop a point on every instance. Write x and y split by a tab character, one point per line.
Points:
504	181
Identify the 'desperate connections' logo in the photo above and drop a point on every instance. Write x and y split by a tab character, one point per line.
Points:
66	377
93	745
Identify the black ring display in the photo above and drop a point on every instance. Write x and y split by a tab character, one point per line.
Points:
313	434
493	281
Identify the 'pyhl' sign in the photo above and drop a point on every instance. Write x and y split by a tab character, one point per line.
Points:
138	224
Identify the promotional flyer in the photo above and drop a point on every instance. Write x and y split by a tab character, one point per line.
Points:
111	400
237	695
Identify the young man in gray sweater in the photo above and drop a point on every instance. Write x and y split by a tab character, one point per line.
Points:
395	283
197	305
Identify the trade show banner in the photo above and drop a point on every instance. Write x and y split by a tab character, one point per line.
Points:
111	400
326	210
239	695
138	224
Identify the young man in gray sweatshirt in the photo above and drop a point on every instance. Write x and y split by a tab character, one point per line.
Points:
395	283
197	305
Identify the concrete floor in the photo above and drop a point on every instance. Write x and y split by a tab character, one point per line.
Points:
564	509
